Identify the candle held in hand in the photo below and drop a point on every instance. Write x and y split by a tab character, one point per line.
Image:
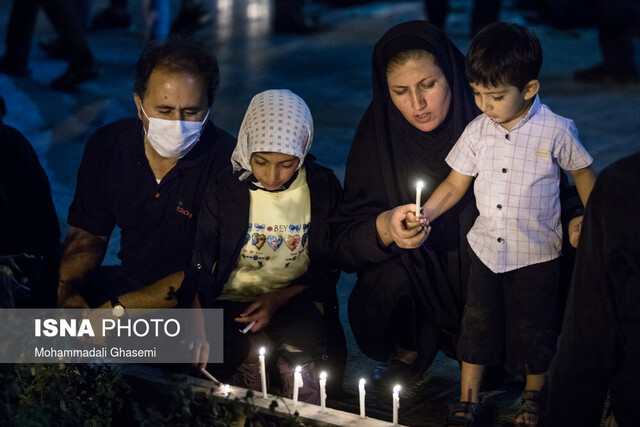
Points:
419	187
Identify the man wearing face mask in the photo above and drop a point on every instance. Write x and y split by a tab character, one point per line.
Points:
147	175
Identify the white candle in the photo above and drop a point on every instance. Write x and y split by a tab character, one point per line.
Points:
211	377
362	394
419	186
297	383
396	404
323	390
263	373
247	328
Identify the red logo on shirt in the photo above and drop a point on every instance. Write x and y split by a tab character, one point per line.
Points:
184	212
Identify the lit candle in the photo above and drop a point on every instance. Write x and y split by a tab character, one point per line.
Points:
362	393
263	373
323	391
396	404
419	186
226	390
297	383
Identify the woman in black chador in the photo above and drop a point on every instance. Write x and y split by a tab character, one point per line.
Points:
407	303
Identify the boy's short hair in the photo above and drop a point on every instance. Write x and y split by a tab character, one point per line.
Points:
175	55
504	54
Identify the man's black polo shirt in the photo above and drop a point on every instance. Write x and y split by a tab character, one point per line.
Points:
116	186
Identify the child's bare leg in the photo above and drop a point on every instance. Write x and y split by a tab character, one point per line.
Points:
535	383
470	381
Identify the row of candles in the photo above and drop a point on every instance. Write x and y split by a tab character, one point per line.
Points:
297	383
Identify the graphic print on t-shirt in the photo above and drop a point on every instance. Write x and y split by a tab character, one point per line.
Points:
275	250
275	236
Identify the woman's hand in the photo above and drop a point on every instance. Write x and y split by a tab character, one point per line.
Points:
262	310
400	225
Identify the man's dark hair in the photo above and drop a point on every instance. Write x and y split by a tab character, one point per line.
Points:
504	54
178	54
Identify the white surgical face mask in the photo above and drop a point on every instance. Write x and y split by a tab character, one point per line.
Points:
173	138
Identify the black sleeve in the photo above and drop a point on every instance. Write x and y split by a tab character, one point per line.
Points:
322	273
354	232
91	208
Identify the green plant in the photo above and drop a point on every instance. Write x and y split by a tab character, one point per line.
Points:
57	394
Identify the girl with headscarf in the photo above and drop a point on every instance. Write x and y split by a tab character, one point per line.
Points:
407	302
262	248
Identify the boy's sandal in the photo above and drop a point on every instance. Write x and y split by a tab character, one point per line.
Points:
528	404
462	407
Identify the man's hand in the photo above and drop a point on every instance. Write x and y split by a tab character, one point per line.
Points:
72	301
574	229
400	226
198	348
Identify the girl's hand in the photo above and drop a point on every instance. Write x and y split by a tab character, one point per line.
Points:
262	310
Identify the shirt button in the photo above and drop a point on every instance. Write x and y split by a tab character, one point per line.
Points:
500	240
199	266
508	136
499	206
504	170
157	195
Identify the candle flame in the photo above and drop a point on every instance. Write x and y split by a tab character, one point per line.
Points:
362	381
397	388
323	375
262	351
419	185
298	369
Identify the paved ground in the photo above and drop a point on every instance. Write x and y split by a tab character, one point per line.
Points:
331	71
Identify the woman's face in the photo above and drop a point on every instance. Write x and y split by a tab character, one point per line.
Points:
273	170
420	91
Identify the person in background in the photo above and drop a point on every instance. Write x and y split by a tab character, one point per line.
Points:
66	22
484	12
618	25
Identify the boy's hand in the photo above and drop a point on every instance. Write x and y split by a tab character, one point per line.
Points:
393	227
574	229
412	221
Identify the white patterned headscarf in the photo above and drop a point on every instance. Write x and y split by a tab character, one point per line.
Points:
277	121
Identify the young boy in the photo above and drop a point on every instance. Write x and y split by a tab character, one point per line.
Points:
514	151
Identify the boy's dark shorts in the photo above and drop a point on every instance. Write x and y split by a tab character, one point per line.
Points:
511	317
